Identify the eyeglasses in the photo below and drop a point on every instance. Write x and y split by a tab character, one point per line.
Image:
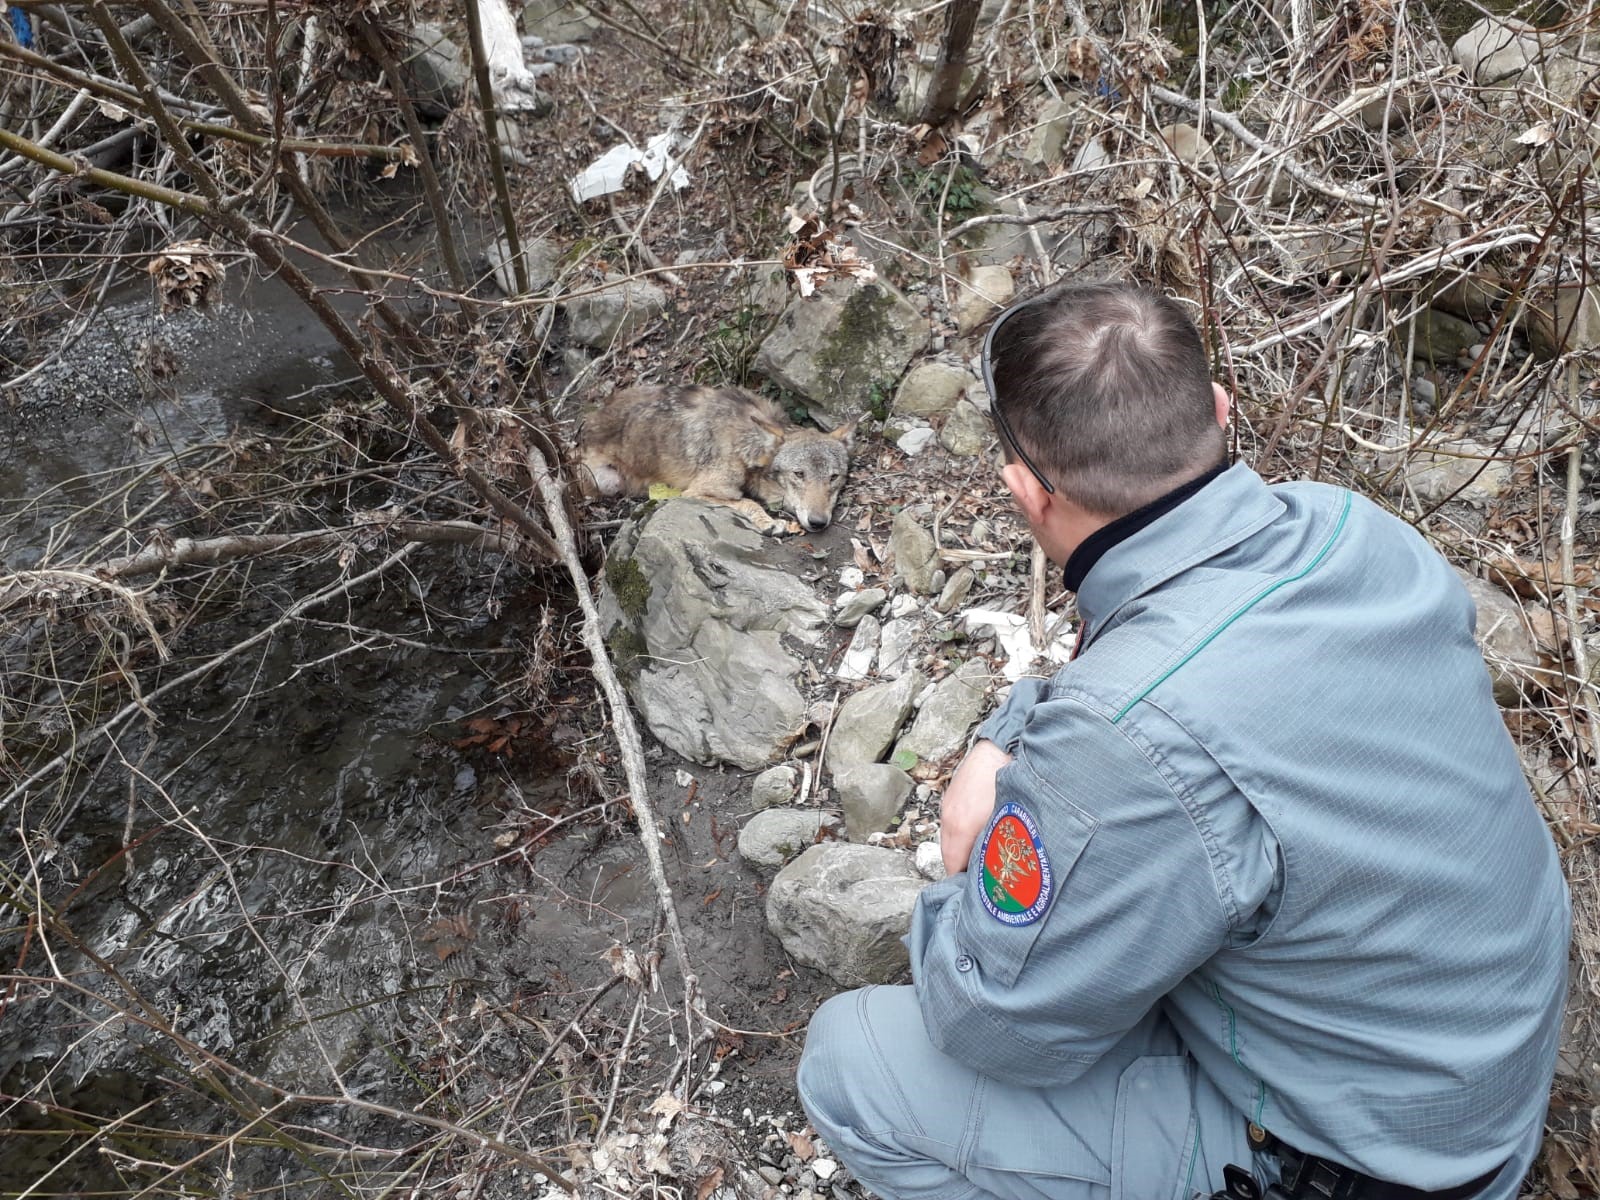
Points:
994	396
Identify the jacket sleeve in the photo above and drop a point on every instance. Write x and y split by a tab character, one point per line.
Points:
1004	725
1133	905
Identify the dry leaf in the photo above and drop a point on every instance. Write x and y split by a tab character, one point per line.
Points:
708	1185
187	275
802	1146
667	1105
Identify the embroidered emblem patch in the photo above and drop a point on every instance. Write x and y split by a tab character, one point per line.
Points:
1016	883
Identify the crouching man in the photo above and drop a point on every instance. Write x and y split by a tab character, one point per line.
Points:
1255	880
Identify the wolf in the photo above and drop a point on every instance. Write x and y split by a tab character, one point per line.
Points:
723	444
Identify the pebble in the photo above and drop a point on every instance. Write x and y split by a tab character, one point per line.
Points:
915	441
824	1168
770	1174
903	605
851	577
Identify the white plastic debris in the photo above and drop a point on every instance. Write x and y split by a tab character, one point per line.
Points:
609	172
1011	631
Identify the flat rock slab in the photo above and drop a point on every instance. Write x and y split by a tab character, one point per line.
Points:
843	909
869	720
708	624
775	835
950	708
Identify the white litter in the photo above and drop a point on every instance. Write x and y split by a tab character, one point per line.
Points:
1011	631
609	172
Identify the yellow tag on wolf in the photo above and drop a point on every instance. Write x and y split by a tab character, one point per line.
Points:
662	491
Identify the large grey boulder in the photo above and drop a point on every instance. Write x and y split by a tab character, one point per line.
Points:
775	835
949	710
988	288
843	343
699	612
1465	471
868	721
1497	48
872	796
438	66
613	312
1502	635
843	909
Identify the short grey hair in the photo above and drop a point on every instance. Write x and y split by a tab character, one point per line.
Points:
1108	389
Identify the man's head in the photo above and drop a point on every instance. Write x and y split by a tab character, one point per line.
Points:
1106	392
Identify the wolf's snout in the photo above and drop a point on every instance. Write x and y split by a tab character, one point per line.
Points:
814	523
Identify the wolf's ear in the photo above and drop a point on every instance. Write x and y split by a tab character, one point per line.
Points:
846	431
767	426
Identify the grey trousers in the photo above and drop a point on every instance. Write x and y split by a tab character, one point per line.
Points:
914	1124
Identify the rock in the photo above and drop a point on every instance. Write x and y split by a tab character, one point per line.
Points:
852	606
956	590
613	312
1459	470
843	909
1050	128
1424	392
871	795
868	721
1507	647
930	861
1319	253
1470	296
1092	156
898	640
775	835
903	605
697	609
1571	322
966	430
843	343
1436	336
950	708
914	441
856	662
541	259
915	556
439	68
987	289
1496	48
559	20
932	388
774	786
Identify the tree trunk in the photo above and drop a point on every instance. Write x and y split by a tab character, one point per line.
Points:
944	90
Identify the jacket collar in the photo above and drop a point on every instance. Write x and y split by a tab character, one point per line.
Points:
1219	516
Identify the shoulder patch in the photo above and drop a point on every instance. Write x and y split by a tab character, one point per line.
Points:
1016	883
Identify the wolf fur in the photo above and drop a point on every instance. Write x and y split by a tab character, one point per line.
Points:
722	444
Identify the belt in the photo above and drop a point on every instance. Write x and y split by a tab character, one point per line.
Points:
1306	1175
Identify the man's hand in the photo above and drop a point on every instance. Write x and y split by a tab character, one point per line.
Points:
968	803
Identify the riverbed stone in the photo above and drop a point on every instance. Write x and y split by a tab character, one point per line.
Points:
930	861
955	591
1502	635
1458	470
868	721
895	646
438	66
985	290
559	20
932	388
858	657
1496	48
843	345
1051	124
775	835
773	787
949	710
843	908
849	608
1569	321
916	558
1439	337
699	612
541	259
614	311
966	430
872	796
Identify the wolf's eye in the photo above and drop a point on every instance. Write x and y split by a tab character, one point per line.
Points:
832	475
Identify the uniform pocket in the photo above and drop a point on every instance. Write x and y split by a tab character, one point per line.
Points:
1017	870
1154	1134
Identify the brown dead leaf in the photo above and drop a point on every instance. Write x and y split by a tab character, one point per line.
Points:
708	1184
1559	1166
187	275
803	1147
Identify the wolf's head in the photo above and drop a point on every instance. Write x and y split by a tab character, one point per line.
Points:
808	472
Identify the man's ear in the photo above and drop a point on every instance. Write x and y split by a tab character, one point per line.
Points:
1224	403
1025	489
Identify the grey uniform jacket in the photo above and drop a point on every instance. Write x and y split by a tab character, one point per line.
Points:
1272	794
